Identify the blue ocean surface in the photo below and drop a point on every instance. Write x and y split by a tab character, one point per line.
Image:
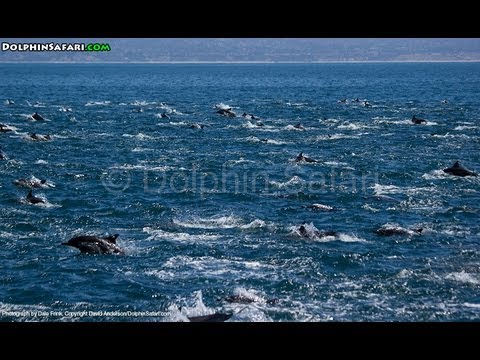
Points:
214	213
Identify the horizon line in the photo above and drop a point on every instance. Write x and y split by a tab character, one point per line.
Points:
242	62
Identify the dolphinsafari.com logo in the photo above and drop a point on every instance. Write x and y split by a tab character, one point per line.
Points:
97	47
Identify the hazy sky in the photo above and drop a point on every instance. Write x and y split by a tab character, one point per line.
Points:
256	50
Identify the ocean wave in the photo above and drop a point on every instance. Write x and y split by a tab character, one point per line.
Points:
143	167
464	277
220	222
215	222
139	136
336	137
356	126
98	103
295	180
158	234
379	189
435	174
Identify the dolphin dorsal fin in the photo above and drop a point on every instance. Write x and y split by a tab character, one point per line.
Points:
112	238
30	194
456	165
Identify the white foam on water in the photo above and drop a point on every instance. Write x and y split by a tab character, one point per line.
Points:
405	273
257	223
182	266
350	238
464	277
214	222
138	149
356	126
336	137
142	167
435	174
222	106
141	103
392	189
471	305
295	180
239	161
98	103
370	208
158	234
139	136
448	135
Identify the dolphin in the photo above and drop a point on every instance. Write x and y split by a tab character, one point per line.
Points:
390	231
416	120
300	157
5	128
321	207
164	115
319	234
226	112
89	244
299	126
37	117
217	317
250	116
31	183
33	199
458	170
2	155
39	137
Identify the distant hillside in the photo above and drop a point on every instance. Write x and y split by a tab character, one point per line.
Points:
274	50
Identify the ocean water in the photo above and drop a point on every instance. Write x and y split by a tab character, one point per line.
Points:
204	214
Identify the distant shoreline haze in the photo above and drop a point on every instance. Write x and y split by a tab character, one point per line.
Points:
251	50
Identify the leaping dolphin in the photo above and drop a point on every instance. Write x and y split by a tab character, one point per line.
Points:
89	244
458	170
